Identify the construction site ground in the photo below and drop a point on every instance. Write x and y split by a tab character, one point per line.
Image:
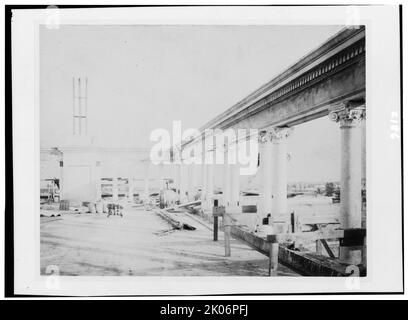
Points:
142	244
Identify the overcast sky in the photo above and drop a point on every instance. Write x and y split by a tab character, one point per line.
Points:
143	77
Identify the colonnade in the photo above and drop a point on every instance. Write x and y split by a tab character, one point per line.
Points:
272	143
273	174
273	189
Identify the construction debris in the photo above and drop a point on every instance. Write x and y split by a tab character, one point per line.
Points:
174	220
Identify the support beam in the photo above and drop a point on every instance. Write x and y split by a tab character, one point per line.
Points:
327	248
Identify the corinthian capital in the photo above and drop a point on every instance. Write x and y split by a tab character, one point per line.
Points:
274	134
346	115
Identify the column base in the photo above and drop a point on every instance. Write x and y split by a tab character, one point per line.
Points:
351	255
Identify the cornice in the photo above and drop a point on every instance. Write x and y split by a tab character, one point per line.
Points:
338	52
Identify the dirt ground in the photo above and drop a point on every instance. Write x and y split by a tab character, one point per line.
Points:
141	243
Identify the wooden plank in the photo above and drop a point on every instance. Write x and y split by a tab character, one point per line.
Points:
305	263
306	236
309	264
328	250
172	220
324	243
259	244
193	203
319	220
249	208
165	216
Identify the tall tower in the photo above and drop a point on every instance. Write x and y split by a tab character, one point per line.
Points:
80	106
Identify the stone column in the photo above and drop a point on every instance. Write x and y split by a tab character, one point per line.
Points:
363	171
191	181
226	192
265	172
203	183
61	181
161	176
146	192
273	172
350	177
98	181
115	195
363	151
234	206
177	178
130	188
279	179
174	175
183	177
210	181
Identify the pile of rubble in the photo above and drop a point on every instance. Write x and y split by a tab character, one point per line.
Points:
91	207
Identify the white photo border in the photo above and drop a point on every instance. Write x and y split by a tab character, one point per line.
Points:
384	203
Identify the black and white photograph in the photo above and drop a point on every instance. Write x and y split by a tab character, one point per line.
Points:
214	150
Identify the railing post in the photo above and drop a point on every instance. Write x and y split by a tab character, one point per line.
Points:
298	223
217	211
215	231
292	222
